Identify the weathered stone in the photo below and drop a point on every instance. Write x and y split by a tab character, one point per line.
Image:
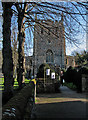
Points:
49	40
17	107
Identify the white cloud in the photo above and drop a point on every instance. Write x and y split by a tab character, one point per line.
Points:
70	49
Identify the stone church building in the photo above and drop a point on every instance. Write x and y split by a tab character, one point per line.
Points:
49	44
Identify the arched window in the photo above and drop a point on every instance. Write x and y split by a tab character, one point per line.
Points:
49	56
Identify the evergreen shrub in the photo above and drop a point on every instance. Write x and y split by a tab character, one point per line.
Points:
70	75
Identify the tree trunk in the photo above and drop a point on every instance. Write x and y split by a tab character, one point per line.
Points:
21	56
7	67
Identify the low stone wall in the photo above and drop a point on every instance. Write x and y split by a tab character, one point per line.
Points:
20	106
47	86
84	82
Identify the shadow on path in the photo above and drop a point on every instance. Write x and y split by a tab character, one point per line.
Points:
66	104
70	109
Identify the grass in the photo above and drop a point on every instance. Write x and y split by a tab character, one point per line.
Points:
36	100
70	85
15	83
1	83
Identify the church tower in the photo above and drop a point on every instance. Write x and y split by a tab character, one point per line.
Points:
49	44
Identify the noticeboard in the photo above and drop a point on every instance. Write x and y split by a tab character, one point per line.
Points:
53	75
47	71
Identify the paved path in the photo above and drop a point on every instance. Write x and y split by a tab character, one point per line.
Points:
66	104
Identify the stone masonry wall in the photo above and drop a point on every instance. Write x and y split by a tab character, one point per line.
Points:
20	106
45	40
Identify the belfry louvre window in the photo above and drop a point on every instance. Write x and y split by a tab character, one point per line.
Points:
49	56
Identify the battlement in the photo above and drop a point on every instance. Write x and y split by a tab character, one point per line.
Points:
49	23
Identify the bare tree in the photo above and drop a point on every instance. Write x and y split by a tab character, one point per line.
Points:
14	41
74	15
21	8
73	21
7	67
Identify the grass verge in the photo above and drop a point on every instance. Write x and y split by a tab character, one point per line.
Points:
15	83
